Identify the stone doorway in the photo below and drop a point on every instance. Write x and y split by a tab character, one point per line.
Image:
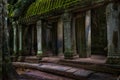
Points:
50	39
98	32
80	35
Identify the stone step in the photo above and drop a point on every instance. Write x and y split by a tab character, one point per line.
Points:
38	75
32	59
96	65
106	68
71	72
28	76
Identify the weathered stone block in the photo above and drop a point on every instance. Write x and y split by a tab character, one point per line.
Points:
72	70
115	61
83	73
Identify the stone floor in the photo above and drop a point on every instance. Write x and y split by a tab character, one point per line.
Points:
53	65
38	75
67	71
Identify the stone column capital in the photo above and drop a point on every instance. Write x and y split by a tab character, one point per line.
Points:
39	23
67	17
13	23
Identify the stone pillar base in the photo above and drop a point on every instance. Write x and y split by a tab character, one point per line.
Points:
13	58
68	55
113	60
21	58
83	55
60	54
39	55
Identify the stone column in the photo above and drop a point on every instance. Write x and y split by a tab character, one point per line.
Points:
60	37
113	33
74	38
39	39
14	39
20	39
68	51
88	33
32	45
21	57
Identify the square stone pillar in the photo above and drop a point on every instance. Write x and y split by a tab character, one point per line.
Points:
113	33
68	45
88	33
14	38
60	37
39	39
74	37
20	39
21	57
33	41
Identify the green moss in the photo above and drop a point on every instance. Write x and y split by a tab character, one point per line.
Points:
19	8
43	6
68	54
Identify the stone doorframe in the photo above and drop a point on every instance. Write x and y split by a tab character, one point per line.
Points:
87	34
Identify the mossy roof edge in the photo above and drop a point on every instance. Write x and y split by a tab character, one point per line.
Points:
43	6
40	7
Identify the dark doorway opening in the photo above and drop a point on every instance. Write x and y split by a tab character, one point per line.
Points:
50	39
80	35
99	32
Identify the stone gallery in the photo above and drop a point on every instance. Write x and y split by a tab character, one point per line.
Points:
66	28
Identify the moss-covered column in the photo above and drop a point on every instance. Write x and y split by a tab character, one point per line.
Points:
113	33
68	51
21	57
88	33
14	38
39	39
60	37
